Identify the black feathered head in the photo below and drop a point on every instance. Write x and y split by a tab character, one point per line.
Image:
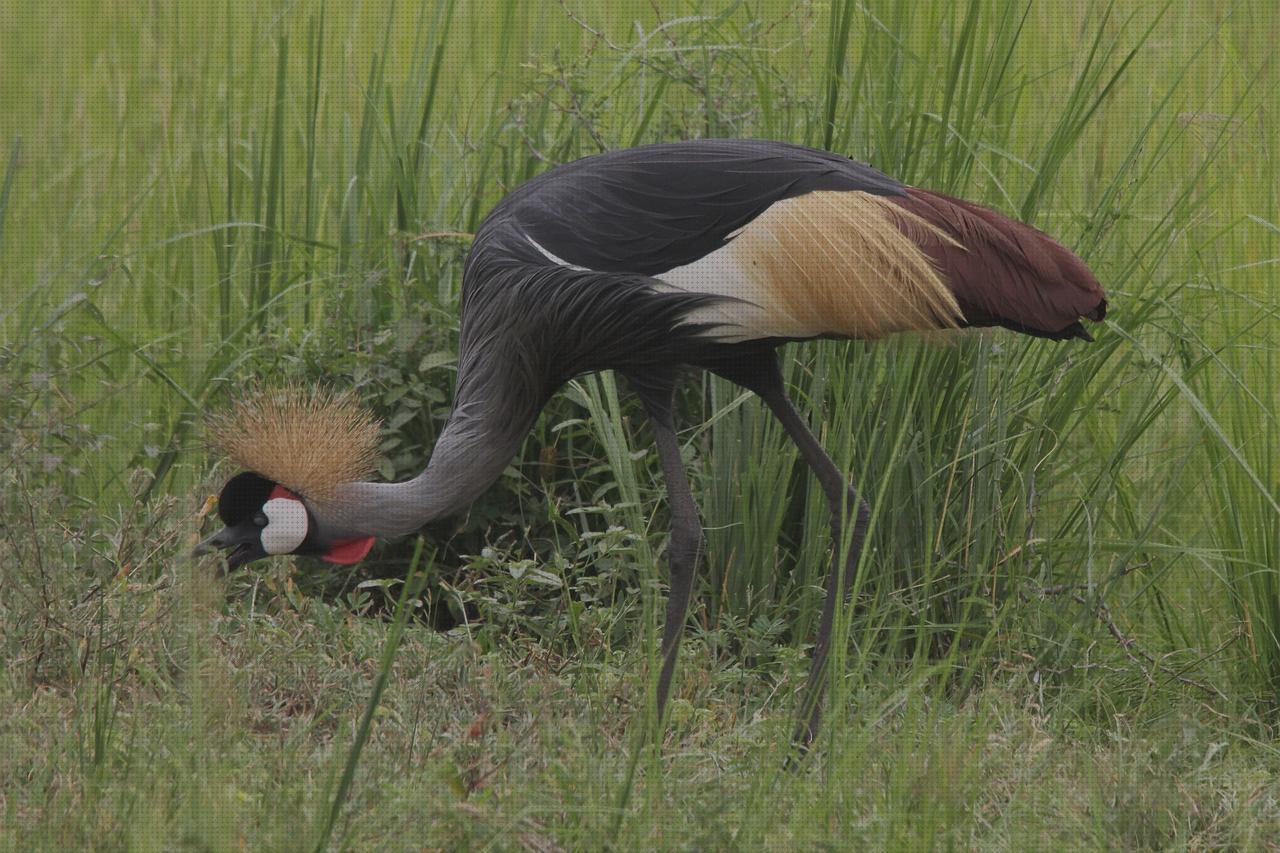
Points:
296	446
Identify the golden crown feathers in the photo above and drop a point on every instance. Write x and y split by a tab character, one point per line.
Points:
308	439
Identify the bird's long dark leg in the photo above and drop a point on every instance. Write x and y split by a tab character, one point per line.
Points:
764	378
686	529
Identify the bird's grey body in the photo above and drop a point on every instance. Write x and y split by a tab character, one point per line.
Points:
530	321
706	254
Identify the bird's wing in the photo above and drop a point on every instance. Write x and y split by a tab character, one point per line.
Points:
789	242
646	210
688	214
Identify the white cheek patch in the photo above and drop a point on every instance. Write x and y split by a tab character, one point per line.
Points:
286	525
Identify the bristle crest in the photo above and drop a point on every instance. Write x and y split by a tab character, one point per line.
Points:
308	439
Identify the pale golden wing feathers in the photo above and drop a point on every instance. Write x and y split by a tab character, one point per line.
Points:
846	263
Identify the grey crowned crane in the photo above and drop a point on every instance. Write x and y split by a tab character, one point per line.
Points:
706	254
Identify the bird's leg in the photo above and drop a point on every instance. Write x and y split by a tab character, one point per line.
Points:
765	379
686	529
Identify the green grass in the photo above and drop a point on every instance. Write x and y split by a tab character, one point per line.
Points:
1066	628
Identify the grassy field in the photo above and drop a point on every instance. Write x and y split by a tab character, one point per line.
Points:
1066	630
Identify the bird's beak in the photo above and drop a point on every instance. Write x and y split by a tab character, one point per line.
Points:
242	544
222	539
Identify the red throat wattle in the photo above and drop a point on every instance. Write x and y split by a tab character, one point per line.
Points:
343	552
346	552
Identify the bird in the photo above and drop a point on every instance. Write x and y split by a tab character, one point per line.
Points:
653	261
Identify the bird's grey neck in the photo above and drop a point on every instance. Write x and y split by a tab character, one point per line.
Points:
484	432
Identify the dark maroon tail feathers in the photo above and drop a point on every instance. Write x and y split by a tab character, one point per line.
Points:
1005	273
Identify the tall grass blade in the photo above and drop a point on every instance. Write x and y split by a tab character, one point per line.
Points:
273	189
409	591
10	173
839	26
315	78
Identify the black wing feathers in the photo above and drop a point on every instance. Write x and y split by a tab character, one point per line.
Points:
646	210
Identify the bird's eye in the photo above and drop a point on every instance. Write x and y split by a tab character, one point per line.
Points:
260	520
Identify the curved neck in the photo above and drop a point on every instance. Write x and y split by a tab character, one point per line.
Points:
493	411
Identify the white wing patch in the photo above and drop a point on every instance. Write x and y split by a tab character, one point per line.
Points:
716	273
555	259
754	314
286	525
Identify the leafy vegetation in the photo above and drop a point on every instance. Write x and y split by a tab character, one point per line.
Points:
1066	627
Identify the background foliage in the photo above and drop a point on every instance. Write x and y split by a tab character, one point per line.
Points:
1072	545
